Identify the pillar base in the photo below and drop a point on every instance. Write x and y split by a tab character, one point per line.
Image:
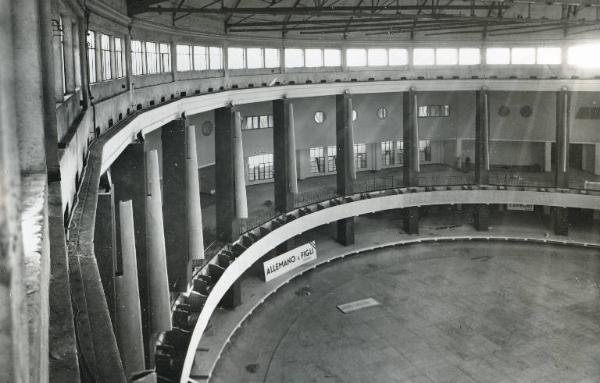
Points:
482	217
411	220
233	296
560	220
345	231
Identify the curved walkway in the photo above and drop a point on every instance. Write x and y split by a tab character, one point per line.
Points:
373	232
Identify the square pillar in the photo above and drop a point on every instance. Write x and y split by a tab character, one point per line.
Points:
224	172
482	217
175	207
482	131
128	175
411	220
547	156
560	220
562	139
410	133
596	169
105	242
284	155
344	162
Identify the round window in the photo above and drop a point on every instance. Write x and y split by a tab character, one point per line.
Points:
526	111
382	113
319	117
504	111
207	128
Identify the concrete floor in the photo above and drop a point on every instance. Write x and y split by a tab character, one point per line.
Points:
464	312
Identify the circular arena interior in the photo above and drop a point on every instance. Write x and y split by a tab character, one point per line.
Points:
232	191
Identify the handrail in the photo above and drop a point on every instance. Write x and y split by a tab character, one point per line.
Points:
360	204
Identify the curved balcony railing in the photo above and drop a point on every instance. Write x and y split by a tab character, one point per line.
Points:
219	274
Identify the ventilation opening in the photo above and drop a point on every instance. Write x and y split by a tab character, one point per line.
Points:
120	116
97	131
250	85
162	99
323	81
197	91
110	123
128	111
172	97
308	81
151	102
370	79
210	90
221	88
292	82
139	106
234	86
183	94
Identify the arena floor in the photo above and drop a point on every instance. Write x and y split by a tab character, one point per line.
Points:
460	312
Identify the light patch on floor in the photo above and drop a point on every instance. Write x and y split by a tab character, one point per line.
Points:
357	305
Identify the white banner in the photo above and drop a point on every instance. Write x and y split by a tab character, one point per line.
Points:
518	206
283	263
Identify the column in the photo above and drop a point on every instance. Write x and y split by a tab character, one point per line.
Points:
284	155
129	317
13	321
77	54
560	220
99	76
158	283
376	159
57	55
128	176
562	138
175	207
50	129
105	242
68	53
173	61
547	156
83	62
241	202
346	173
482	129
224	185
458	153
410	130
194	215
596	169
482	217
129	68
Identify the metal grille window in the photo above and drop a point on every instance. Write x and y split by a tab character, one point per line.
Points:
165	57
331	154
105	56
360	156
200	58
317	160
137	57
255	58
152	57
424	150
119	67
434	111
236	58
260	167
91	51
184	58
387	153
399	153
271	58
258	122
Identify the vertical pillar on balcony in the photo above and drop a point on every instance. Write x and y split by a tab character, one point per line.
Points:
482	145
68	54
560	220
129	318
194	215
158	283
241	203
411	220
284	152
128	175
105	241
482	217
562	138
175	207
77	53
410	133
345	162
129	68
596	169
225	179
83	61
174	61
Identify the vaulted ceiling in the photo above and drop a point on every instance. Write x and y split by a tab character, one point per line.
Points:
471	18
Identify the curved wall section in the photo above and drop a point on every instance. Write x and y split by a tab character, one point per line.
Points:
351	209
